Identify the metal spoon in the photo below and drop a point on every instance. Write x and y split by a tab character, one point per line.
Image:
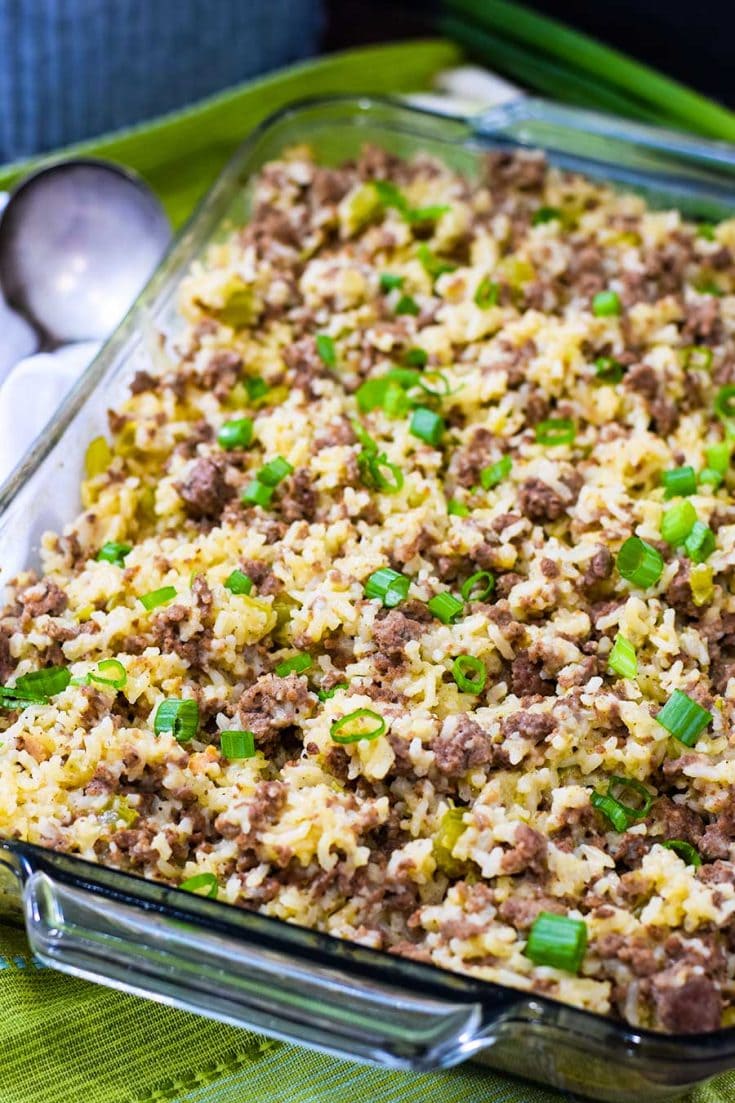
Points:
77	242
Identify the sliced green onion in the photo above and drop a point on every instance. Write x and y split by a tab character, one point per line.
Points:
494	474
710	477
487	293
725	402
611	809
351	728
606	304
698	357
256	388
639	562
427	425
9	699
112	552
235	745
685	850
237	433
608	369
677	522
389	586
42	683
157	597
706	230
432	264
257	493
327	350
718	456
427	214
388	282
110	672
416	357
407	305
622	659
328	694
708	287
384	393
372	466
545	214
391	196
297	664
555	431
275	471
238	582
177	717
445	607
679	482
700	543
557	940
200	881
684	718
469	673
618	787
457	509
478	586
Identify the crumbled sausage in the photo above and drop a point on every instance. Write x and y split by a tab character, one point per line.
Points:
205	491
44	597
539	502
461	746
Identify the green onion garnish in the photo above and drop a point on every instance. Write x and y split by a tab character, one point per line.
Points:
698	357
469	673
237	433
238	582
416	357
327	350
611	809
112	552
684	718
110	672
487	293
679	482
296	664
608	369
700	543
257	493
706	230
494	474
200	881
605	304
545	214
708	287
677	522
328	694
427	214
432	264
237	744
275	471
352	728
372	465
390	196
157	597
557	940
725	402
709	477
10	699
407	305
685	850
457	509
555	431
256	388
619	786
389	586
384	393
639	562
427	425
178	717
622	660
42	683
478	586
388	282
718	456
445	607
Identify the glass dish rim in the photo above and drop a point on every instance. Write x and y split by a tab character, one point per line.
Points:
719	1044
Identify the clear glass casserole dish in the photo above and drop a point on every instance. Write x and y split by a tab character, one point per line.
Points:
245	968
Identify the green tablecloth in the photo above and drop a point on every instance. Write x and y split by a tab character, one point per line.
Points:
67	1041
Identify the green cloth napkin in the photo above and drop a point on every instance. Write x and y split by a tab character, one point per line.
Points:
67	1040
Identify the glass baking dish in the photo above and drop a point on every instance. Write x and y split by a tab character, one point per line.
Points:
255	971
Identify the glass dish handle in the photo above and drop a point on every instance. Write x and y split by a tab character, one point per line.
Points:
176	962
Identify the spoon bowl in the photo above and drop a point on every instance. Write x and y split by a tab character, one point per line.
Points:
78	240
